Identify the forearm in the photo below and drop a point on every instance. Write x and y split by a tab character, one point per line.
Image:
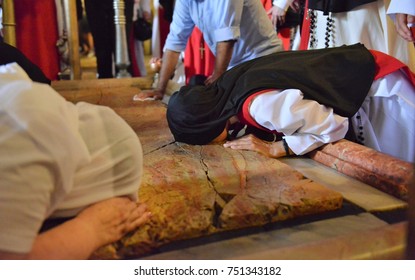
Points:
224	52
168	66
73	240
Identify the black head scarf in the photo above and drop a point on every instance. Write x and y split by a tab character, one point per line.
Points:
9	54
339	78
191	109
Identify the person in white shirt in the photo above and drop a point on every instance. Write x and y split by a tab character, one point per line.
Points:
229	30
303	97
76	163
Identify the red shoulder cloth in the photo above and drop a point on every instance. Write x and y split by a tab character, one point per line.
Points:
245	117
386	64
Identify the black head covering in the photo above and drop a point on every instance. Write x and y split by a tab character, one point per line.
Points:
9	54
336	6
191	109
339	78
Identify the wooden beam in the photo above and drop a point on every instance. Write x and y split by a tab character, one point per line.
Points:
9	22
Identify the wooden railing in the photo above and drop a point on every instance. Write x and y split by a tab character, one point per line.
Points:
9	22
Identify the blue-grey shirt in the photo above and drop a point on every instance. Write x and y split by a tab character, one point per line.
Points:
220	20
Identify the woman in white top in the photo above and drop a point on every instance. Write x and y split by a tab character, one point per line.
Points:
81	163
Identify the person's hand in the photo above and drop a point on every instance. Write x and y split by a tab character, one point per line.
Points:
295	5
155	64
147	16
277	15
111	219
401	25
252	143
149	95
212	78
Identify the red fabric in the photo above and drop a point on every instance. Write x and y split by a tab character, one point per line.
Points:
164	29
267	4
37	34
387	64
131	46
245	117
194	62
285	35
305	29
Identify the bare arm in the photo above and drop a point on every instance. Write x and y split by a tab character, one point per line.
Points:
252	143
277	15
96	226
223	57
168	66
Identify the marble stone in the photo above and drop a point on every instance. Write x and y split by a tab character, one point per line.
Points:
198	191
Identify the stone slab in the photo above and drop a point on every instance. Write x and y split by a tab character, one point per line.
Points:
197	192
359	193
360	236
384	172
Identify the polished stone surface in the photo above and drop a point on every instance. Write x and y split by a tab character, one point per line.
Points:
219	197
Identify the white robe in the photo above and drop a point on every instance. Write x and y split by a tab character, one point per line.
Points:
308	125
369	25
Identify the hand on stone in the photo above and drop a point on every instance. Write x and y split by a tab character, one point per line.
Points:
252	143
111	219
212	78
148	95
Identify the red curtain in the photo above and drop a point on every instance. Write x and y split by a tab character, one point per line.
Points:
37	34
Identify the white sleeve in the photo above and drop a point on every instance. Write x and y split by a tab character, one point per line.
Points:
401	7
145	5
306	124
40	149
227	23
282	4
180	29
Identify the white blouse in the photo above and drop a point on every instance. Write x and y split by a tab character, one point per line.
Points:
389	109
306	124
56	157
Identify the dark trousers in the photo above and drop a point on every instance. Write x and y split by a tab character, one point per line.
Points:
100	15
